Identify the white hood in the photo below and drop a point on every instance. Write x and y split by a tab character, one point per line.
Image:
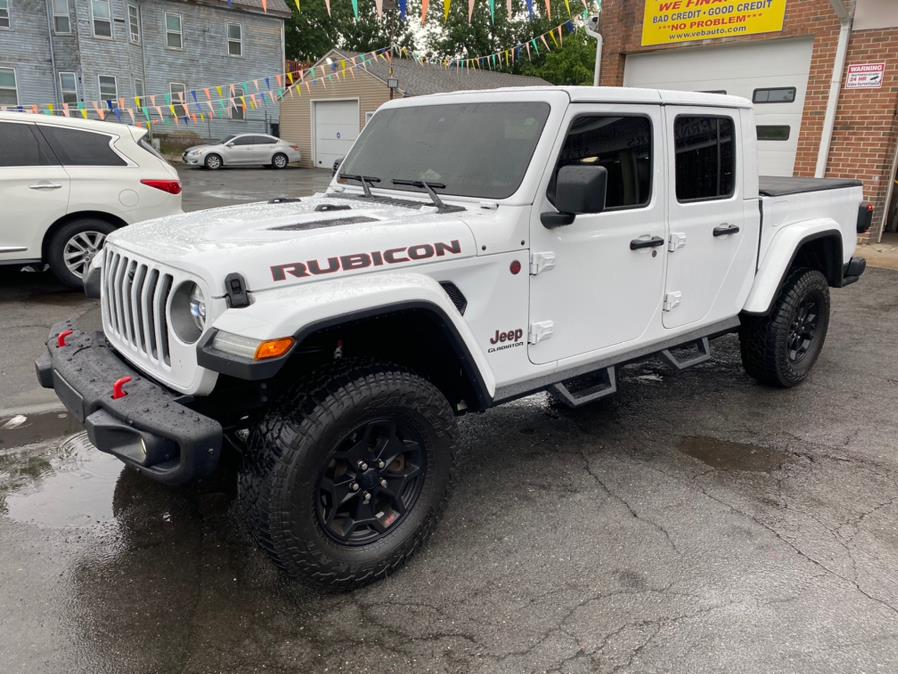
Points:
278	244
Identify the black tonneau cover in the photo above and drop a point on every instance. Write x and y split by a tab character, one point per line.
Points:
778	186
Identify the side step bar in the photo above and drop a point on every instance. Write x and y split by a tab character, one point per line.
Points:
586	388
703	348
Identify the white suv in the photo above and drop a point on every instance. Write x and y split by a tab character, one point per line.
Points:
67	183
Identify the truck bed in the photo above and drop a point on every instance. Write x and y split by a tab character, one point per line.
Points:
785	201
779	186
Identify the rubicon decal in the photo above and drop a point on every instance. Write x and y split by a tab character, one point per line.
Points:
377	258
507	339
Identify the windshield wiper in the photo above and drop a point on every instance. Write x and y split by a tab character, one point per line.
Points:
364	180
427	185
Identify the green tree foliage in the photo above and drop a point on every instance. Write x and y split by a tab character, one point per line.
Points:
572	64
456	38
312	32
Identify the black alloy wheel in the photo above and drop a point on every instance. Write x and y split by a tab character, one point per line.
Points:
803	329
373	478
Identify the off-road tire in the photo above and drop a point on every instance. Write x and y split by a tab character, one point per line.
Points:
764	340
213	162
56	246
285	161
288	449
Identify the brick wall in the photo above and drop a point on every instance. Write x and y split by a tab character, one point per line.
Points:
863	143
866	128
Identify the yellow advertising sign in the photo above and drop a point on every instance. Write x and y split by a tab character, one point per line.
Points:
669	21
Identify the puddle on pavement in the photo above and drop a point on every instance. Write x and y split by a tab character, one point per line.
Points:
19	430
725	455
67	484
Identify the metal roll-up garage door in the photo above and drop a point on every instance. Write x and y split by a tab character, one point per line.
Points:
774	75
336	128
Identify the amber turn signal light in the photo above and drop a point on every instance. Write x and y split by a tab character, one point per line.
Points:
274	348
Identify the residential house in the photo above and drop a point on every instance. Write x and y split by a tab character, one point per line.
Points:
71	51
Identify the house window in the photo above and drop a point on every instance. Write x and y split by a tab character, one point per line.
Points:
138	88
102	18
4	13
134	23
623	145
61	22
235	39
9	94
68	87
774	95
178	92
705	157
108	89
173	36
237	111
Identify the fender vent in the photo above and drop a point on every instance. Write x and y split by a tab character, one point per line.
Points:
333	207
456	295
317	224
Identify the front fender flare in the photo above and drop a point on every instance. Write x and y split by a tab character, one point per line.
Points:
781	253
302	309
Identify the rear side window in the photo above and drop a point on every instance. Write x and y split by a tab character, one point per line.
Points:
706	157
23	146
623	145
75	147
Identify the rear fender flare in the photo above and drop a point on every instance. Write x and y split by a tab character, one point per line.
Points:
781	254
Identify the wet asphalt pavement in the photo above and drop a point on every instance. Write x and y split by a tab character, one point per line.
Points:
696	521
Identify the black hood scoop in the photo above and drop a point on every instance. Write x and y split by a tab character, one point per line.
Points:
331	222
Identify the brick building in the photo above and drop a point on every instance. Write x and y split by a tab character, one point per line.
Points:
786	60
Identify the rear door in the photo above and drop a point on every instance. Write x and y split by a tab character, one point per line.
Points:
34	190
712	244
262	149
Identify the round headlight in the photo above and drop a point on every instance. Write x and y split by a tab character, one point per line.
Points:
198	308
188	312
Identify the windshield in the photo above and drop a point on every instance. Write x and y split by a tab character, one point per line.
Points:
465	149
227	140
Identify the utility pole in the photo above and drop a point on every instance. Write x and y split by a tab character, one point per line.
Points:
592	29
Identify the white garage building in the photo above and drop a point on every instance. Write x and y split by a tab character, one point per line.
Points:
774	75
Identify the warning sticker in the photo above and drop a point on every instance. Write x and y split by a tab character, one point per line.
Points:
865	76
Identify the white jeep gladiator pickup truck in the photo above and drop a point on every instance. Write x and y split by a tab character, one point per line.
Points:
473	248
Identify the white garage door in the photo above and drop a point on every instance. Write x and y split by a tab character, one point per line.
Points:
336	128
772	74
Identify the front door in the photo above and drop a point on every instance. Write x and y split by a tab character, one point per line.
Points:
605	288
712	242
34	190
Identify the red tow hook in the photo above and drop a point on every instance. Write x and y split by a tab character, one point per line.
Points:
61	337
118	388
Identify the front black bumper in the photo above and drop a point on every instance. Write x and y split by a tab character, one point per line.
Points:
150	429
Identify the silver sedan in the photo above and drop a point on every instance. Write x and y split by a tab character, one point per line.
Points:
242	150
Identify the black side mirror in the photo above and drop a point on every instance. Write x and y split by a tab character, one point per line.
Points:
578	190
337	163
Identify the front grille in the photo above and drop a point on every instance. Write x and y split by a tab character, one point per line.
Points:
135	295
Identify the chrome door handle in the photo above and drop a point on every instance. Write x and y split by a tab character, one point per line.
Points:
44	186
726	229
